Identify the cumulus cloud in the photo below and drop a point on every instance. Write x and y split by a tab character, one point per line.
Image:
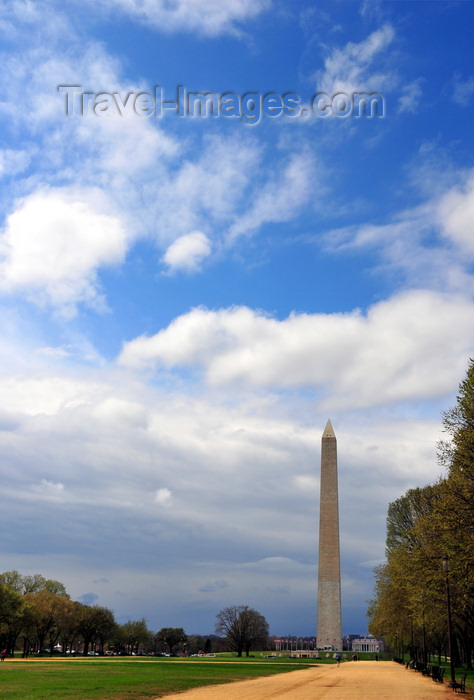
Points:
246	474
173	197
116	154
53	244
187	252
402	344
200	490
456	211
39	393
208	17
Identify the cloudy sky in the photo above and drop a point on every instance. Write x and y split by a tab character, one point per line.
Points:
185	300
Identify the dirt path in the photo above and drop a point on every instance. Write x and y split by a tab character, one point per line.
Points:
363	680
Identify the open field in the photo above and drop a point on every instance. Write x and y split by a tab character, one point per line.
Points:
118	678
140	678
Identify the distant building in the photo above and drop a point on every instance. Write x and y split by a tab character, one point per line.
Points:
299	647
368	643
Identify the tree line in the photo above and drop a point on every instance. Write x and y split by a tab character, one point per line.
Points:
38	616
430	552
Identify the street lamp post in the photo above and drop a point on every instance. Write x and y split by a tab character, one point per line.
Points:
424	638
450	627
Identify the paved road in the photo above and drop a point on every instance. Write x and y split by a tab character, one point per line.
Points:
363	680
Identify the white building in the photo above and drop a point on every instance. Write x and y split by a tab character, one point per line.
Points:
368	643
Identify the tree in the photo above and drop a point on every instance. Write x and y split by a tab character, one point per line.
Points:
68	622
42	599
457	512
105	626
410	599
32	584
55	587
195	644
46	609
11	611
423	526
95	624
135	633
171	636
243	627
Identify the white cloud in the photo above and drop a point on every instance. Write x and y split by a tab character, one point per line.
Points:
280	198
372	8
164	498
350	69
208	17
125	148
197	195
43	394
178	488
463	89
456	212
124	156
162	195
58	353
49	490
187	252
410	98
202	492
398	351
115	411
307	483
53	244
214	586
13	162
429	246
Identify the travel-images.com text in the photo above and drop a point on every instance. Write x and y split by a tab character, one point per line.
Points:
248	108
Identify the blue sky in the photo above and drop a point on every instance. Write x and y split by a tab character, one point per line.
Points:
184	302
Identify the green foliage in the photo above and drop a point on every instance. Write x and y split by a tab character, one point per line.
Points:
32	584
424	525
132	634
95	624
171	636
11	604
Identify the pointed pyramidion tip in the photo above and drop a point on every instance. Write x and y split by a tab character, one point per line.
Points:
329	431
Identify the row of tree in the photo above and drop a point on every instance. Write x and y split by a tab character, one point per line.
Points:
37	614
430	552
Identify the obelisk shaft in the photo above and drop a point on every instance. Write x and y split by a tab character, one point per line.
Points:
329	625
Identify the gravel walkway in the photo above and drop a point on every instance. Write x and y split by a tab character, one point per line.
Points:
363	680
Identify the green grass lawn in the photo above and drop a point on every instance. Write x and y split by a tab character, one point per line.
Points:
118	679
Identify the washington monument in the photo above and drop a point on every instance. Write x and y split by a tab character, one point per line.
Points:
329	626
